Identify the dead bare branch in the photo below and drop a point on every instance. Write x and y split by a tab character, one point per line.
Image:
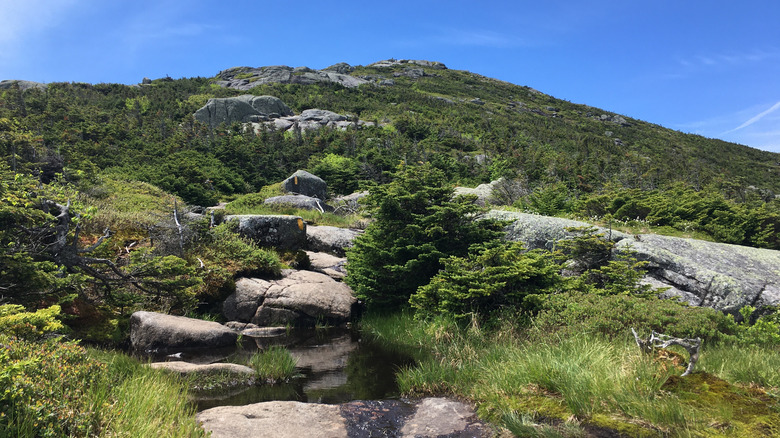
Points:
658	340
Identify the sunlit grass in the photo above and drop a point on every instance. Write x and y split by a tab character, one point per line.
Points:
553	384
273	364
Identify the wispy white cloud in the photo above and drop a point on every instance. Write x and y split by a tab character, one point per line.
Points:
755	118
746	57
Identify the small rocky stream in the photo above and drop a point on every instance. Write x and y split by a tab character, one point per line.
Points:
345	388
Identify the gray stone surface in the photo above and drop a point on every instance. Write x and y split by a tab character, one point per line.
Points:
299	201
279	419
150	331
332	240
537	231
304	183
718	275
242	109
428	418
281	231
436	417
23	85
185	368
330	265
299	297
245	78
422	63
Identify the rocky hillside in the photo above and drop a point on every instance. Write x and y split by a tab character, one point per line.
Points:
169	133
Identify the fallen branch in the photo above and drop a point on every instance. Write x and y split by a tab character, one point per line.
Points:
658	340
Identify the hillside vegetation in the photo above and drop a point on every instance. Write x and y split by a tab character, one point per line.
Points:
96	181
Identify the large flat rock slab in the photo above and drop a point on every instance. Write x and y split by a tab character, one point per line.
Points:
428	418
280	419
150	331
718	275
282	231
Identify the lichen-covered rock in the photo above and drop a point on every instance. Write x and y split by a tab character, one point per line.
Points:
150	331
245	78
299	201
718	275
304	183
299	297
23	85
537	231
280	231
332	240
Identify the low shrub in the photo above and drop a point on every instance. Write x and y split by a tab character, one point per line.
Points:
614	315
46	389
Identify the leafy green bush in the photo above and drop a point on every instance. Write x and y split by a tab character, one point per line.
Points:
247	204
14	321
765	331
488	279
225	255
417	223
45	389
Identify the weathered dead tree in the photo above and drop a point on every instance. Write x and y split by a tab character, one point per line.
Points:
658	340
73	258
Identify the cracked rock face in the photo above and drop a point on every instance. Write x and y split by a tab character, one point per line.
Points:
298	297
245	78
718	275
243	109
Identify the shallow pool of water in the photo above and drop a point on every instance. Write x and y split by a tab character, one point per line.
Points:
334	366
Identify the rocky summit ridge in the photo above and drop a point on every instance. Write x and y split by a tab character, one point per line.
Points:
245	78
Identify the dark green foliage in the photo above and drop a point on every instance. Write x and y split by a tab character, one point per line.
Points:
341	173
489	279
416	225
752	221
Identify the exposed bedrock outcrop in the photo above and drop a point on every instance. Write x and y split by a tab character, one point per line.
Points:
718	275
243	109
244	78
332	240
299	297
430	417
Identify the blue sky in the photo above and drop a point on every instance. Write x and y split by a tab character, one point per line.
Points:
705	67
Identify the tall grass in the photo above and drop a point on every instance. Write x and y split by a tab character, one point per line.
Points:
273	364
517	380
135	400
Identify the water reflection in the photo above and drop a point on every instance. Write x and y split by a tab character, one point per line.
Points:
335	366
